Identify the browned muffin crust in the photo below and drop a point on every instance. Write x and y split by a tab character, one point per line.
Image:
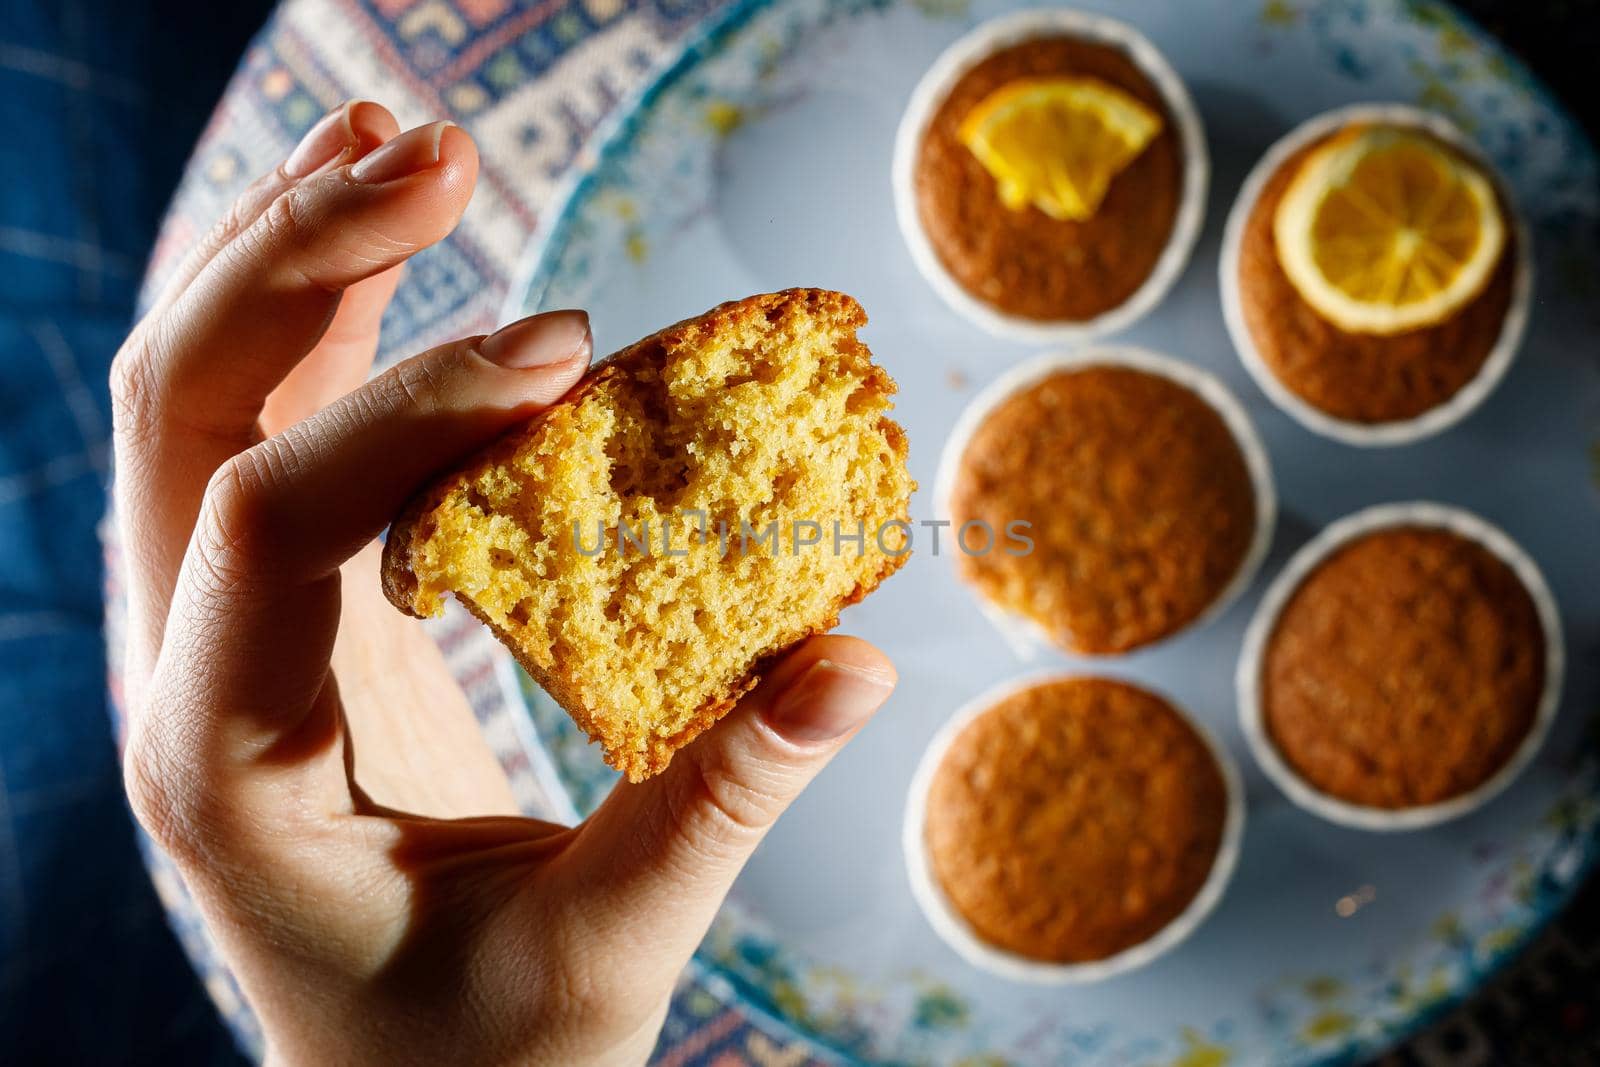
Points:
1074	819
1142	508
1025	262
1355	376
1405	670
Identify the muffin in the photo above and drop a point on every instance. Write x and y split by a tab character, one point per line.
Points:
1050	175
1375	276
648	545
1141	491
1070	821
1408	663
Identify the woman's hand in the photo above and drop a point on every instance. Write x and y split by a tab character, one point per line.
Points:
322	786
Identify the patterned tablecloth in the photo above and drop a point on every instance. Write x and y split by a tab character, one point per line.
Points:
531	80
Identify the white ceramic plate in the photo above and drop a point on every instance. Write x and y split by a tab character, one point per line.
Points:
760	160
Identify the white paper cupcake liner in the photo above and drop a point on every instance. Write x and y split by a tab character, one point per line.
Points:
1469	396
959	935
972	49
1026	637
1247	678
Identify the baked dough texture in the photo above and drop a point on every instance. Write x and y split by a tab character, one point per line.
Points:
762	411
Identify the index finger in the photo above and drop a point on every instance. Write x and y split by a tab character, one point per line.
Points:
241	694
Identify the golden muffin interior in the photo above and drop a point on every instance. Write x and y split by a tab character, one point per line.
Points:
648	544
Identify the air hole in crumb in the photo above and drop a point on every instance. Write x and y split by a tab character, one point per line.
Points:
863	399
759	368
783	486
502	559
622	478
645	459
523	611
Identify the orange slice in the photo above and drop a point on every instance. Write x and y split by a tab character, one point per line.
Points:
1056	143
1384	230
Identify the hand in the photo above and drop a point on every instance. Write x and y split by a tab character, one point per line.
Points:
348	837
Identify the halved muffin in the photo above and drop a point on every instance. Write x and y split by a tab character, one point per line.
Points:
686	514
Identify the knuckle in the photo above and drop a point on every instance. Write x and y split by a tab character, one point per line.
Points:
147	793
165	809
282	236
580	993
236	523
586	989
149	390
282	223
717	809
420	384
242	212
133	384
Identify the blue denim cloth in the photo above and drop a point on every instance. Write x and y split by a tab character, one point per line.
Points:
100	102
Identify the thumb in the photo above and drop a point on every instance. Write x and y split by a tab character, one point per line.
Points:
663	853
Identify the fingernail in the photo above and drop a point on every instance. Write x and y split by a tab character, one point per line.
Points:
331	135
538	341
410	153
828	700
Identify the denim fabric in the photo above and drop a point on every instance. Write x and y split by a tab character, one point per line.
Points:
99	104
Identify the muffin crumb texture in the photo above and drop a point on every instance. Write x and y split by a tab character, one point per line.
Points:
1074	820
1405	670
1141	506
766	410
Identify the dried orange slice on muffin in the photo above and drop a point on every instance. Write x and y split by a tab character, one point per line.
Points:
1383	230
1056	143
1049	175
